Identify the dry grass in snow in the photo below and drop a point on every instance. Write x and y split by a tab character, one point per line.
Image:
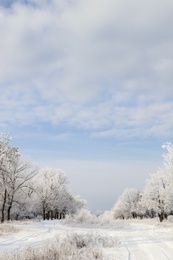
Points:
6	229
73	247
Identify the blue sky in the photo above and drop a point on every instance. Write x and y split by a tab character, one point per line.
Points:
86	86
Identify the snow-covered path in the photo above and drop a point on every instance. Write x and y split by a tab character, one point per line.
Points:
139	241
146	242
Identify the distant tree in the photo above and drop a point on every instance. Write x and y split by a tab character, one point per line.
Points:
126	206
142	210
49	187
53	199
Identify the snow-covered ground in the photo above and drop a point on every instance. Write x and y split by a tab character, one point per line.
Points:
145	242
139	240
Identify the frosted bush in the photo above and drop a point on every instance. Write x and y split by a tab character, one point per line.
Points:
94	239
170	218
83	216
7	229
86	219
73	247
51	253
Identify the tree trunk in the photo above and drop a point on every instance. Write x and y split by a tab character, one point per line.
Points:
44	213
3	206
51	214
161	216
9	212
9	209
48	215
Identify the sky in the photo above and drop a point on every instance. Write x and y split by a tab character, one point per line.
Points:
87	87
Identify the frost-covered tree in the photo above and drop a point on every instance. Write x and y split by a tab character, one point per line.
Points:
49	184
168	158
53	200
20	187
8	157
158	192
15	175
154	195
141	209
126	206
78	204
25	193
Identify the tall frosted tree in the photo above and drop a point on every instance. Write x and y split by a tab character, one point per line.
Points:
15	175
8	157
158	192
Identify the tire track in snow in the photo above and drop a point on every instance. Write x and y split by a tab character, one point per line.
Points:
129	254
35	239
143	244
165	255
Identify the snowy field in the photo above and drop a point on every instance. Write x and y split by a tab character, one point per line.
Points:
137	240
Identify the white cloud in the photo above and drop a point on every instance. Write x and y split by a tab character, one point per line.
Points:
104	66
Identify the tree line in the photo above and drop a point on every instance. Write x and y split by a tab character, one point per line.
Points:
27	191
156	199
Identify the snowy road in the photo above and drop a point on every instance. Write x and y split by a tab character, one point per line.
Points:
139	241
146	242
